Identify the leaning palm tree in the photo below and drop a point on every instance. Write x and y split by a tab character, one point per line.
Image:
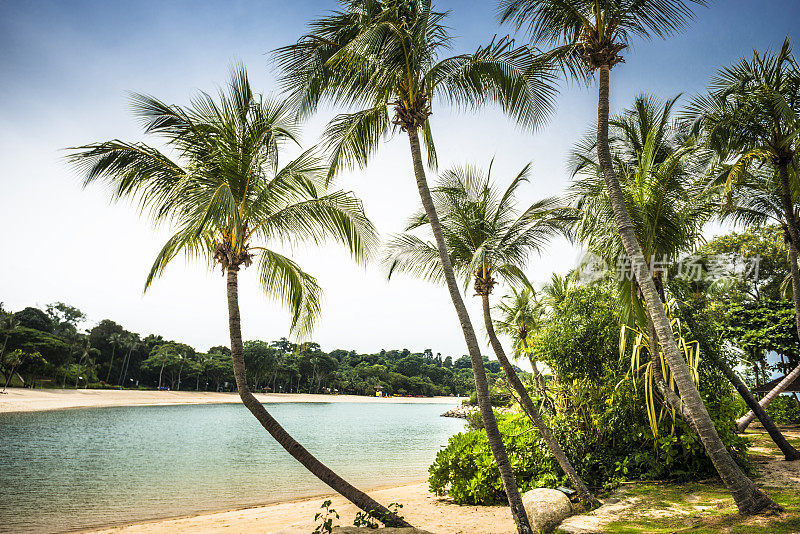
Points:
485	237
596	32
751	115
384	58
227	198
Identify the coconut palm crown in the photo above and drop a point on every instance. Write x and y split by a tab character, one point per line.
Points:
486	236
384	57
595	31
225	192
666	181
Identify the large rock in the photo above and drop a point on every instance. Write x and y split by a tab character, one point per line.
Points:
546	508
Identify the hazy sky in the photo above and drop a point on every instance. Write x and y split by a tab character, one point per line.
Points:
66	68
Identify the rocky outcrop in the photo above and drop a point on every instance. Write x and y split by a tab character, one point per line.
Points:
546	508
463	411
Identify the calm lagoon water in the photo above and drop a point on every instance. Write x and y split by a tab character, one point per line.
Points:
75	469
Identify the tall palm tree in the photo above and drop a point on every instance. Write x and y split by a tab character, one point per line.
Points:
115	339
485	237
662	174
597	32
133	343
751	115
227	197
384	58
521	313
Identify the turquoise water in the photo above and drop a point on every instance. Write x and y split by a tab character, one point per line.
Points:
76	469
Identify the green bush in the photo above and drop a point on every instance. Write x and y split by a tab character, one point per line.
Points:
466	470
606	435
784	410
498	397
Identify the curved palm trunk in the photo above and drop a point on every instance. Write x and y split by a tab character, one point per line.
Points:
749	499
321	471
555	449
481	386
10	376
743	422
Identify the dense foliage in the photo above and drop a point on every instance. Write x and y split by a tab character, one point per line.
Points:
53	352
596	411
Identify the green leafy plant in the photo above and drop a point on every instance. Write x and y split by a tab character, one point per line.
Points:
325	519
365	519
689	349
784	410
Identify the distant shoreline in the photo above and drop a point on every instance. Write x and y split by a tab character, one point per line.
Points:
39	400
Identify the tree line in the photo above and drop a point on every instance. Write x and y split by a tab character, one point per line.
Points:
47	347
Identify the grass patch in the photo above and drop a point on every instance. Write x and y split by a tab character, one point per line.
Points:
701	508
705	507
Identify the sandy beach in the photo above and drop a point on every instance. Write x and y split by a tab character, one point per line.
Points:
34	400
420	508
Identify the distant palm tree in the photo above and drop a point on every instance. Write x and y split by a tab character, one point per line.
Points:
485	237
85	349
133	343
115	339
385	57
8	324
11	361
228	197
594	33
521	314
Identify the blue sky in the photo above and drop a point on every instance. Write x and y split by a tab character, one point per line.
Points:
66	68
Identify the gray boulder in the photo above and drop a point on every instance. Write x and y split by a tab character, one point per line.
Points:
546	508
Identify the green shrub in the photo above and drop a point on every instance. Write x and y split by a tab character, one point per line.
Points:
604	431
784	410
466	470
498	397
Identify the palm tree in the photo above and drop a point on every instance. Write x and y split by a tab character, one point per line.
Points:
11	361
521	314
8	324
385	57
662	175
485	237
115	339
227	196
751	115
133	343
85	350
596	32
